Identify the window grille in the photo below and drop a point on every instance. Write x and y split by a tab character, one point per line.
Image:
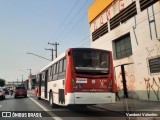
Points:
146	3
100	31
123	47
154	65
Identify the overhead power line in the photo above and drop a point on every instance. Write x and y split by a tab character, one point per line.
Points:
75	17
73	27
66	17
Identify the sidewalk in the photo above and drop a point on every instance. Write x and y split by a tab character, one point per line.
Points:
132	105
135	108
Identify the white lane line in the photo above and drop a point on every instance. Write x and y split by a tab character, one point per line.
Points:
45	109
0	105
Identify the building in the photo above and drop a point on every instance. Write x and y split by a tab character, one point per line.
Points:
131	30
31	82
26	85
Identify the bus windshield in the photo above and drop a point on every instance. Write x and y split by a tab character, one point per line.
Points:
91	61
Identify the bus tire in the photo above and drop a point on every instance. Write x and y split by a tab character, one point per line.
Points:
38	98
51	101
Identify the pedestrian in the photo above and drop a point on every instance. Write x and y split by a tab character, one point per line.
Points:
11	91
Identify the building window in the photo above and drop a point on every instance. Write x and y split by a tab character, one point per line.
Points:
127	13
154	65
144	4
123	47
100	31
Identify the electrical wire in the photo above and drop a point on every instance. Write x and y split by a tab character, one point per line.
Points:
65	19
67	26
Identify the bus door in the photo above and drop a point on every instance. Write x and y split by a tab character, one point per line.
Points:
45	84
39	86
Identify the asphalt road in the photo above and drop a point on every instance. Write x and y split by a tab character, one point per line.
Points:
42	108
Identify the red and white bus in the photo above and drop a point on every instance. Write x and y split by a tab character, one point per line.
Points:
79	76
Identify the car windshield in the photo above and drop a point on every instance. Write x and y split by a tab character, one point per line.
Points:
91	61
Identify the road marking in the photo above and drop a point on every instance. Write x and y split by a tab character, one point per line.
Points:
0	105
45	109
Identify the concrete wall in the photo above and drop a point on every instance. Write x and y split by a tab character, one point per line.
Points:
145	41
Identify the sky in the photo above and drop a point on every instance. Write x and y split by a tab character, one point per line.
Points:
28	26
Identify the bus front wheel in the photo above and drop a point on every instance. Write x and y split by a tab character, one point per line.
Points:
51	100
52	104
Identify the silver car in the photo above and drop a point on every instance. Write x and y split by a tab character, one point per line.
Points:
2	93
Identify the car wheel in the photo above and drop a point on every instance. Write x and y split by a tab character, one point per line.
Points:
1	97
25	96
15	96
4	97
38	98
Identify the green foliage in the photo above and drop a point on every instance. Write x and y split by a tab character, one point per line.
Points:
2	82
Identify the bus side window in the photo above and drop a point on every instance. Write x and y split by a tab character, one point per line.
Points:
50	73
43	78
64	64
54	71
62	68
57	69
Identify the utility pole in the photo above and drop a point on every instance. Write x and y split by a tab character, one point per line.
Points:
52	52
22	78
29	70
17	81
55	44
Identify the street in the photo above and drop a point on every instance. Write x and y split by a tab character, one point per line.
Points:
31	104
42	108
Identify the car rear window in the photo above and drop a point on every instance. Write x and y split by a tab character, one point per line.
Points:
20	88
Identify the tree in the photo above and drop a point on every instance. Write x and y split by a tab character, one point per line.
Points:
2	82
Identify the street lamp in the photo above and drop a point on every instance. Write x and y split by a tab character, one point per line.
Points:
38	56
